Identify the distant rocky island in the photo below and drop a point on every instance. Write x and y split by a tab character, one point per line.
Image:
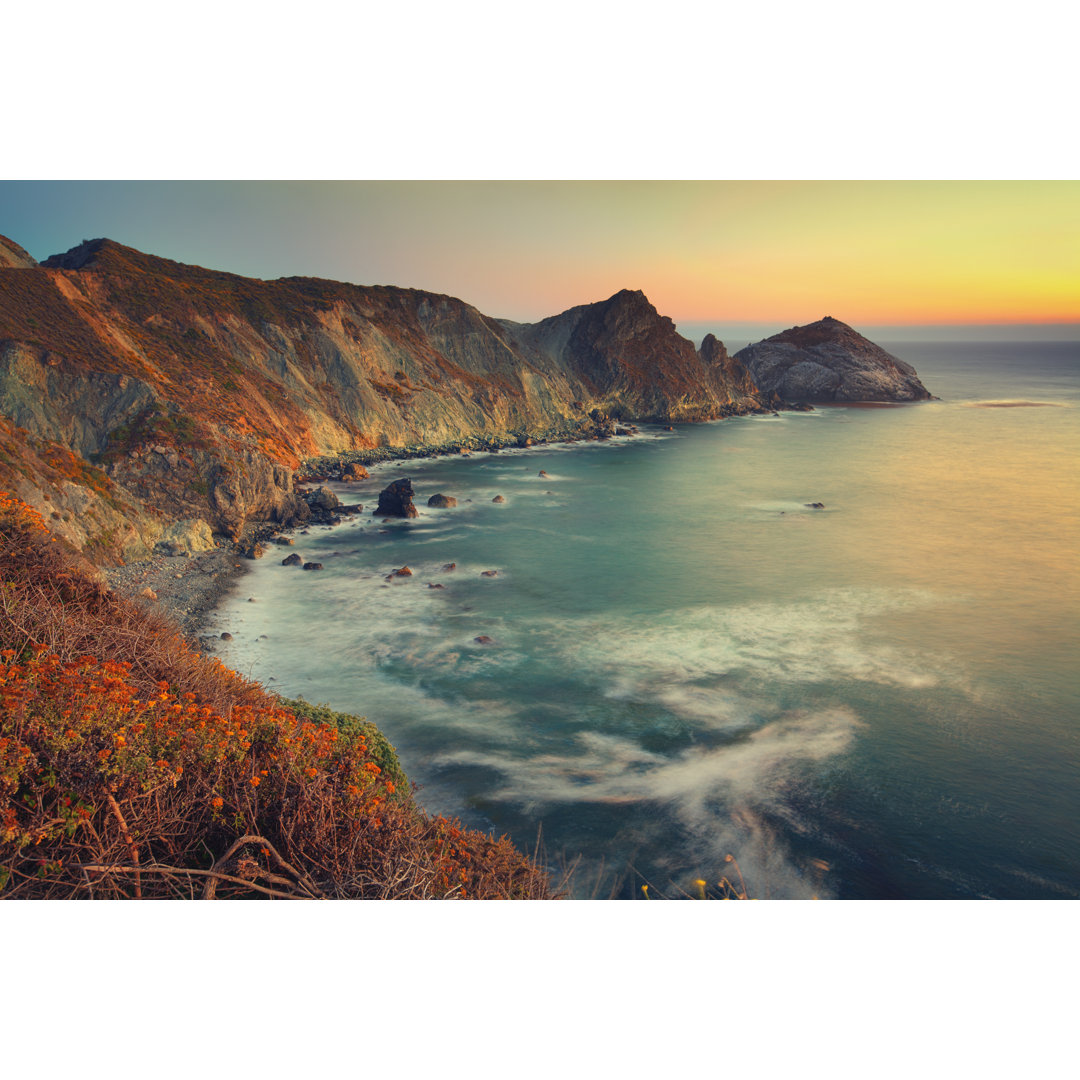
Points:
148	405
828	361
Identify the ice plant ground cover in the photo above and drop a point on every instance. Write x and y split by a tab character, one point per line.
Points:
131	766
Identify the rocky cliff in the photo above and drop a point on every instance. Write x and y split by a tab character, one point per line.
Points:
198	393
627	360
195	395
828	361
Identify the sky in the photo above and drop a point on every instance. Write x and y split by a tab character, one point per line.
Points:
744	257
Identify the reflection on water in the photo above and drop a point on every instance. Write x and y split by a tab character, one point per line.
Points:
686	658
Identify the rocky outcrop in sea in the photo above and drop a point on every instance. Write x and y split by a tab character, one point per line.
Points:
829	361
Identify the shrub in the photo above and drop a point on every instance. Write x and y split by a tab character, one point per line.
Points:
131	766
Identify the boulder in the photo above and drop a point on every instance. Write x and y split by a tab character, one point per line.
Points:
313	566
396	500
436	586
322	499
543	474
498	499
188	537
226	637
292	560
405	571
814	506
442	501
489	573
449	566
352	473
483	639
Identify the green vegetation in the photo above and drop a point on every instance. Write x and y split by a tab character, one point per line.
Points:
382	753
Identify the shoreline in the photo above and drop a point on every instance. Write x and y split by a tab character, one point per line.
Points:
187	590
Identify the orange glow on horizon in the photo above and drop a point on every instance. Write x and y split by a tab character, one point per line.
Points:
778	252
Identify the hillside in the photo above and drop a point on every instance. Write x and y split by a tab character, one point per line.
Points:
199	393
132	767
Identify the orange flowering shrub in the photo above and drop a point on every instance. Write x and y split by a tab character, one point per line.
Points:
14	513
117	783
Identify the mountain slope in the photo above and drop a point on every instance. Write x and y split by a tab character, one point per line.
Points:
200	392
197	394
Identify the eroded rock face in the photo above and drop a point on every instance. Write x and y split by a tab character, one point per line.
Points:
187	537
829	361
396	500
631	362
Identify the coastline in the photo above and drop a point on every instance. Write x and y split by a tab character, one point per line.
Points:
188	589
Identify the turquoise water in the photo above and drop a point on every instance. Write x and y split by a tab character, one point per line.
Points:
874	700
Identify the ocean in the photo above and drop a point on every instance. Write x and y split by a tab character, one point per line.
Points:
680	660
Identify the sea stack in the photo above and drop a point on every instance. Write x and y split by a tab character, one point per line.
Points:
396	500
829	361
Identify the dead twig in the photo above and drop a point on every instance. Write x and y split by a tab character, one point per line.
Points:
130	843
180	871
304	882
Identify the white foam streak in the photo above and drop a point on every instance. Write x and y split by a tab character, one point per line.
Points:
822	639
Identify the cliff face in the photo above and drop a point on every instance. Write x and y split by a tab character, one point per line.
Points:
828	361
199	392
628	360
196	394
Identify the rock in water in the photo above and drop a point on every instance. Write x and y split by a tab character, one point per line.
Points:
442	501
828	361
292	560
352	473
396	500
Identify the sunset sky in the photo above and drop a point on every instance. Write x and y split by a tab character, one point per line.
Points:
769	254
